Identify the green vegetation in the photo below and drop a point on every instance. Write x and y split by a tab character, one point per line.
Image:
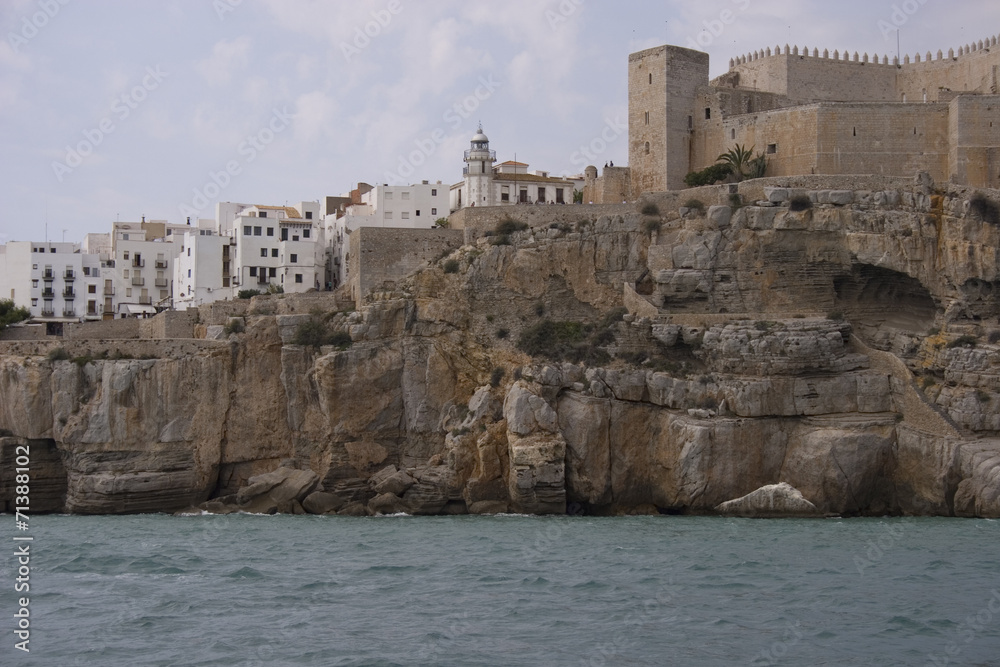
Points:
58	354
275	289
612	317
502	333
994	337
800	203
695	204
836	316
496	376
742	162
565	341
500	239
577	196
650	208
735	201
441	223
9	313
247	293
451	266
582	224
314	333
233	326
652	225
965	340
709	175
982	396
509	226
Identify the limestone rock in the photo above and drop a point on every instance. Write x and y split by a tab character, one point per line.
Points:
387	503
321	502
772	500
397	483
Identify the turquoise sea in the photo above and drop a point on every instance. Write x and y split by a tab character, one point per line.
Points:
505	590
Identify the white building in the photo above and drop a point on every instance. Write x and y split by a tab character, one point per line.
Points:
56	282
143	255
201	270
507	183
277	246
417	206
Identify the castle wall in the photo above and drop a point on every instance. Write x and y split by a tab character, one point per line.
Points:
380	254
613	187
974	72
974	133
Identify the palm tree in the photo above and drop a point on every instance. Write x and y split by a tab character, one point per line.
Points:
743	163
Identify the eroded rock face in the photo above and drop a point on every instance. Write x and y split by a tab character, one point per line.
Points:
737	374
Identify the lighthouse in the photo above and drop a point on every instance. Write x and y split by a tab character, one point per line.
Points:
478	171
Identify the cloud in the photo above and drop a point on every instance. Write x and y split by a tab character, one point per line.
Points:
228	57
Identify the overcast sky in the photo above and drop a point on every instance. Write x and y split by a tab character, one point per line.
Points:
114	110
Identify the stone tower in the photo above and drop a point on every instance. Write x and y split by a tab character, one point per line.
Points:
662	86
478	172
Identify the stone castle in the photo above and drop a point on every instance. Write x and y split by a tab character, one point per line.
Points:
812	113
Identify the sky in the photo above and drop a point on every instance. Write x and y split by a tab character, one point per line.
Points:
115	110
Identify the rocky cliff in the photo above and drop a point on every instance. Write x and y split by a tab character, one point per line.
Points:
843	343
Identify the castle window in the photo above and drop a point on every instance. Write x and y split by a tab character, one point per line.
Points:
772	148
647	118
854	131
732	134
708	113
647	148
690	122
651	78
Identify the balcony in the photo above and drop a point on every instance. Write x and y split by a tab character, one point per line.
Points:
261	280
109	290
47	293
48	313
480	154
138	263
48	275
68	293
161	263
161	282
69	276
138	281
146	300
69	312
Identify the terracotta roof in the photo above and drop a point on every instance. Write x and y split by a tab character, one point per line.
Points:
289	211
526	178
519	164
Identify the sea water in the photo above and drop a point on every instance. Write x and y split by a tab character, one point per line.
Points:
506	590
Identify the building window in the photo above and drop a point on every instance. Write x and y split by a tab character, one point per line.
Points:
647	148
34	302
295	237
418	212
262	214
274	252
91	289
284	234
257	231
270	231
298	277
541	194
125	273
406	195
434	192
128	292
125	255
405	215
708	113
246	230
34	283
189	252
294	258
189	273
309	215
388	215
434	211
253	271
124	238
388	195
272	272
263	252
306	233
772	148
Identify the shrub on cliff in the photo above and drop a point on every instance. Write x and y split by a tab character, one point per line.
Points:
563	341
509	226
800	203
314	333
986	210
451	266
247	293
9	313
709	175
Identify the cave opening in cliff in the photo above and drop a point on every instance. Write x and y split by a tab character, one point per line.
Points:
880	297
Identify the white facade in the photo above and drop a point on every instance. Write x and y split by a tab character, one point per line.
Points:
199	268
56	282
143	255
507	183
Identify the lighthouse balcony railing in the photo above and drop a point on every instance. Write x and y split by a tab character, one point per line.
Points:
480	155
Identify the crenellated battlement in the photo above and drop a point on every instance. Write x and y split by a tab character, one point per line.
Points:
875	59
